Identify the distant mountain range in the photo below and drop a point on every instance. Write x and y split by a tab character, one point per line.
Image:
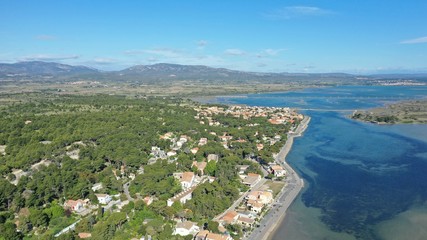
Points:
38	68
164	72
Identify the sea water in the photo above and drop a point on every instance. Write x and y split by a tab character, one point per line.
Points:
363	181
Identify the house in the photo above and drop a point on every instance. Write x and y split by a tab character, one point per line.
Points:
186	228
171	153
76	205
255	206
278	170
103	198
251	179
186	179
263	197
96	187
242	168
182	196
148	200
203	141
213	157
200	166
206	235
194	150
84	235
215	236
167	135
245	221
230	217
201	235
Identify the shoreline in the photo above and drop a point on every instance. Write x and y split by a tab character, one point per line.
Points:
294	184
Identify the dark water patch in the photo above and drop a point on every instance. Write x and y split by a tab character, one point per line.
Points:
352	199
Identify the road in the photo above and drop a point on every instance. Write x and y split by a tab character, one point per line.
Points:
126	190
238	201
294	185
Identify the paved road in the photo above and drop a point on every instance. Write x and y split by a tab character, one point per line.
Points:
67	229
238	201
294	184
126	190
278	209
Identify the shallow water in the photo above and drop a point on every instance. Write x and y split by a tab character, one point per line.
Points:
365	181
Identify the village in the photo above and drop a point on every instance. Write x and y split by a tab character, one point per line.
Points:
246	211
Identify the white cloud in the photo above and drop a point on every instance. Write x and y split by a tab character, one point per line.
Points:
234	52
297	11
48	57
415	40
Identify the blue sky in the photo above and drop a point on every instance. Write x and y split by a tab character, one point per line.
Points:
375	36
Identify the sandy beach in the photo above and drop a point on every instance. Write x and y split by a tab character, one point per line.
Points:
290	191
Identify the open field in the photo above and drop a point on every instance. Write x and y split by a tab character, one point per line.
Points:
275	186
172	89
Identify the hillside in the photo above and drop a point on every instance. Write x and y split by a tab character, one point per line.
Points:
172	79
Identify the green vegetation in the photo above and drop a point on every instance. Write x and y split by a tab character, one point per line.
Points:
402	112
55	148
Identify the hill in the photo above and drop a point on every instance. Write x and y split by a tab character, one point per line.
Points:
38	68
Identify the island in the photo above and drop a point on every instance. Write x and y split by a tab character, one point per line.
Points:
140	167
414	111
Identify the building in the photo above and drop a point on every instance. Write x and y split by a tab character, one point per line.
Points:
206	235
194	150
278	170
263	197
230	217
148	200
251	179
242	168
203	141
245	221
182	196
103	198
255	206
84	235
186	179
96	187
76	205
215	236
213	157
186	228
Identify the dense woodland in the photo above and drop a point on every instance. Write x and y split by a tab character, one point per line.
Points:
113	133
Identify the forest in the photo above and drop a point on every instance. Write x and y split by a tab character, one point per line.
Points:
56	147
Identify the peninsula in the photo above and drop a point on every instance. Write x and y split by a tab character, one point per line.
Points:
402	112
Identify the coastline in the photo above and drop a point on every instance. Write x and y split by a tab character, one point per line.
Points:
294	184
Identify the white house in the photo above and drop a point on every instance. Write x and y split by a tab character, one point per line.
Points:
96	187
76	205
103	198
278	170
186	228
186	179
